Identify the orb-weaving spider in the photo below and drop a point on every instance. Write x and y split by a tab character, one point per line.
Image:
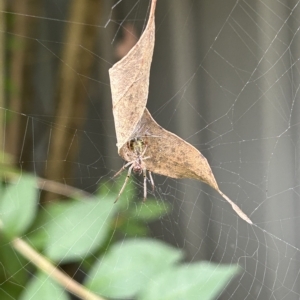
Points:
139	148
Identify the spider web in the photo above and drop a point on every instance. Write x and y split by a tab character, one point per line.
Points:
225	77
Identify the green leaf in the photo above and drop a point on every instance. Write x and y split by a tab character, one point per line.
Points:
13	273
134	228
42	287
129	266
37	237
78	229
150	210
10	290
13	265
195	281
18	206
7	168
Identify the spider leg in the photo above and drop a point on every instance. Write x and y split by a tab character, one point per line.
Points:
151	180
125	182
122	169
143	153
145	184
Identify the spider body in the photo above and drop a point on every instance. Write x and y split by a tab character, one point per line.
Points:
138	147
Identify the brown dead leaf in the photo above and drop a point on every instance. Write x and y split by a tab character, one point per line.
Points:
143	143
129	80
171	156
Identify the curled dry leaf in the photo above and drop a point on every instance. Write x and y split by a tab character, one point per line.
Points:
129	80
156	149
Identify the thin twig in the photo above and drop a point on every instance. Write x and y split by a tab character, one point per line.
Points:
60	188
45	184
43	264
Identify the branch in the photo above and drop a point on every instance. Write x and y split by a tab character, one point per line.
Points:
43	264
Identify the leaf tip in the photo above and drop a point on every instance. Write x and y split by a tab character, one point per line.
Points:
240	213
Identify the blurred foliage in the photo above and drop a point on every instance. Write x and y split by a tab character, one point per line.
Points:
108	242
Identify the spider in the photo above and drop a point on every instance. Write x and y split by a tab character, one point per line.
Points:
139	148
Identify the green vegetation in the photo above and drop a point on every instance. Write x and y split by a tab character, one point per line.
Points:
109	243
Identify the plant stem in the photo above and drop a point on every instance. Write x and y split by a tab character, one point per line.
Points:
43	264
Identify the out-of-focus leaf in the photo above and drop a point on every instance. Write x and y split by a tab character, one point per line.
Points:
13	273
9	290
132	227
150	210
193	281
129	266
72	226
9	171
37	236
18	206
78	230
42	287
13	265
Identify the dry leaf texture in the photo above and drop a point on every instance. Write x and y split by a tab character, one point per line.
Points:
129	79
169	155
163	152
